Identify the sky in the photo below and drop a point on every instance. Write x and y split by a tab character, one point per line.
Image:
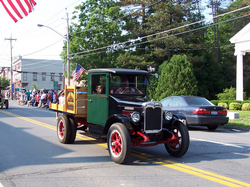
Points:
35	42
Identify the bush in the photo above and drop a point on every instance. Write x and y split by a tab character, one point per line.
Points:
215	102
234	106
228	93
246	107
223	104
233	101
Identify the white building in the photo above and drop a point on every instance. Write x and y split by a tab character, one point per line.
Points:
46	74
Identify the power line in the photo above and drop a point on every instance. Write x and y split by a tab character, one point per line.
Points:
184	32
42	48
133	40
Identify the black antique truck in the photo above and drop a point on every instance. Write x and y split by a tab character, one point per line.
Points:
120	113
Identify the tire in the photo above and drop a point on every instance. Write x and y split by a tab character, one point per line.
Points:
212	127
119	143
180	145
73	131
63	129
6	104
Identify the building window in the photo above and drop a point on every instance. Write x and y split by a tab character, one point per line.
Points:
60	77
43	76
24	76
34	76
52	76
59	86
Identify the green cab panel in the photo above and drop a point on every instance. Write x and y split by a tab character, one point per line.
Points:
97	107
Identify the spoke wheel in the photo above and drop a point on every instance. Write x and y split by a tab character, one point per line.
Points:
63	129
180	145
119	143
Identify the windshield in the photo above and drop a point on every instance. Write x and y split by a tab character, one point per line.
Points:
128	84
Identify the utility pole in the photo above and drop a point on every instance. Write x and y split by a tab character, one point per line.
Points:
68	63
11	70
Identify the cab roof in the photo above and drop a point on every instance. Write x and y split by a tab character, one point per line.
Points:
118	71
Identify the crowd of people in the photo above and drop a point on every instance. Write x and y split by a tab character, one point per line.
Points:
39	98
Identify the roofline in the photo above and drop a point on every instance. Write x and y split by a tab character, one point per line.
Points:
118	71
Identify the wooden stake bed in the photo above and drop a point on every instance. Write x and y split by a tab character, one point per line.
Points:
75	101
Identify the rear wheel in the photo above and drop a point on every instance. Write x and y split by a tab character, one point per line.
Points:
73	131
63	129
212	127
119	143
180	145
6	104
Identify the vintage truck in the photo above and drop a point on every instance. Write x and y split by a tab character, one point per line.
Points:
121	114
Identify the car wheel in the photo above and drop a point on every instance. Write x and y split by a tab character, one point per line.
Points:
212	127
63	129
119	143
179	146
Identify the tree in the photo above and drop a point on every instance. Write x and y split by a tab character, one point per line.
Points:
176	78
4	82
97	27
34	86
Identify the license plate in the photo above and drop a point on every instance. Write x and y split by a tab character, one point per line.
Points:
214	112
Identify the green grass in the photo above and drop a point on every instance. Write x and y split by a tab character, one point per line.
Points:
243	121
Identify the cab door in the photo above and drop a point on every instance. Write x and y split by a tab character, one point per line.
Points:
97	107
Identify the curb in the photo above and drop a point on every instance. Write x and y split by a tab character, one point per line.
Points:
236	129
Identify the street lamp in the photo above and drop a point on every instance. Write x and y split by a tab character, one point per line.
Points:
67	39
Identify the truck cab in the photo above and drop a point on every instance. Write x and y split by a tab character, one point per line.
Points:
114	106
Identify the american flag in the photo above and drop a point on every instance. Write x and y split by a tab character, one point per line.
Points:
17	9
77	72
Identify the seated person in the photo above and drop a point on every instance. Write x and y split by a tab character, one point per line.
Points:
31	101
125	89
99	89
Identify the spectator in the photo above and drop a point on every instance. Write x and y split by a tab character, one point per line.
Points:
38	95
55	97
27	95
43	99
49	97
31	101
61	101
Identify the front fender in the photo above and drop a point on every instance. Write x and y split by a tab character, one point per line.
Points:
117	118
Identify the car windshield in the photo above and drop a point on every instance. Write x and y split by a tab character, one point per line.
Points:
128	84
197	101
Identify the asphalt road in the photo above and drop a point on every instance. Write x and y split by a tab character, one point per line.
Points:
31	155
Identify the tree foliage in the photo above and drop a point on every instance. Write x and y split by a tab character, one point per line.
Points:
176	78
4	82
138	33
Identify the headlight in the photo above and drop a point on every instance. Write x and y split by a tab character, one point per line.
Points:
135	116
168	115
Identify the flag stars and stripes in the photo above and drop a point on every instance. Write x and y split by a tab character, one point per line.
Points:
18	9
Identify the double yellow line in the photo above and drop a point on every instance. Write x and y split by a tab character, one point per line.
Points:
167	163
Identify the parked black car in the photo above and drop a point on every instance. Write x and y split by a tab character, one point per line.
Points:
198	111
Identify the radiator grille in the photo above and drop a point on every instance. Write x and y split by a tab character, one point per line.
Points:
153	118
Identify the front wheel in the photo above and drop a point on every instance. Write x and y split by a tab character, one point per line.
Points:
119	143
180	145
